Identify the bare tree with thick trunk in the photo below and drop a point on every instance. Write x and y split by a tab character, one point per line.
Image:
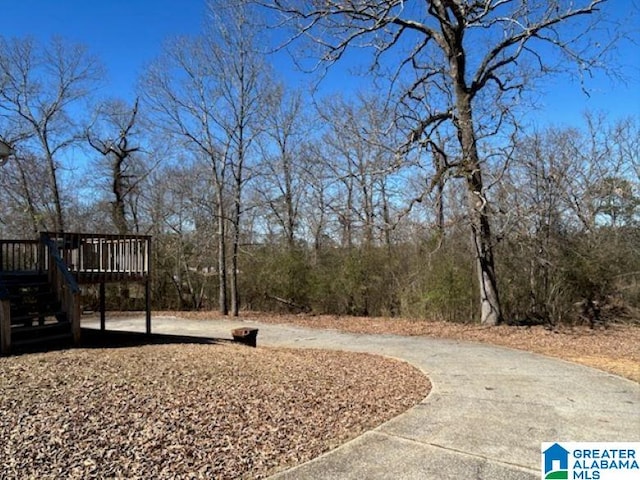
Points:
114	143
459	65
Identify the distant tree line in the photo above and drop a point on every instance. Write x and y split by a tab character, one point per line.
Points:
263	197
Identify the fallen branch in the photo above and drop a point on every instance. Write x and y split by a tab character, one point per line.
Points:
289	303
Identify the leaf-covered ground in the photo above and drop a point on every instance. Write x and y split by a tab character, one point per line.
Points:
223	411
188	410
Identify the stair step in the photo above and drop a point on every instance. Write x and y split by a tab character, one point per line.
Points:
57	325
31	299
33	287
26	313
36	309
34	298
24	280
34	318
43	307
42	303
62	337
22	290
34	301
28	298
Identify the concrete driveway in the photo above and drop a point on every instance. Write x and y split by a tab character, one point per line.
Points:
485	418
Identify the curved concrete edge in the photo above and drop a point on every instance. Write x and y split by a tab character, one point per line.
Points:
489	409
380	456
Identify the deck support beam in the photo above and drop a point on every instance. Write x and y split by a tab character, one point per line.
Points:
103	322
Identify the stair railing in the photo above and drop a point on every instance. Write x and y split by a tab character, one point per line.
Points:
65	286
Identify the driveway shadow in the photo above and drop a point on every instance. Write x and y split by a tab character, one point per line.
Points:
92	338
95	339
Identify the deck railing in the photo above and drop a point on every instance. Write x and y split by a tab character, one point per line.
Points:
20	255
96	254
86	254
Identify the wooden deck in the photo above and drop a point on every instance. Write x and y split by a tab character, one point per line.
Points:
104	258
69	260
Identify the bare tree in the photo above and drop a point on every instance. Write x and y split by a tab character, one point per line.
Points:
356	139
182	91
41	84
180	204
243	82
567	207
25	201
314	216
601	187
281	186
459	64
204	91
112	134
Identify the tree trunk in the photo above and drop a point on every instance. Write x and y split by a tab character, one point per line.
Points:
290	226
386	216
33	215
482	241
118	212
440	162
222	260
490	311
235	294
59	218
237	206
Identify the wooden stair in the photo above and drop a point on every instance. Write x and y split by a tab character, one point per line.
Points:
40	282
36	313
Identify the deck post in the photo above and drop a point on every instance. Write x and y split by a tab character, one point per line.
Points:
5	327
103	326
75	317
147	294
147	287
42	266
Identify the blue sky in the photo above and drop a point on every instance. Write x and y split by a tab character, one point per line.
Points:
124	34
127	34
